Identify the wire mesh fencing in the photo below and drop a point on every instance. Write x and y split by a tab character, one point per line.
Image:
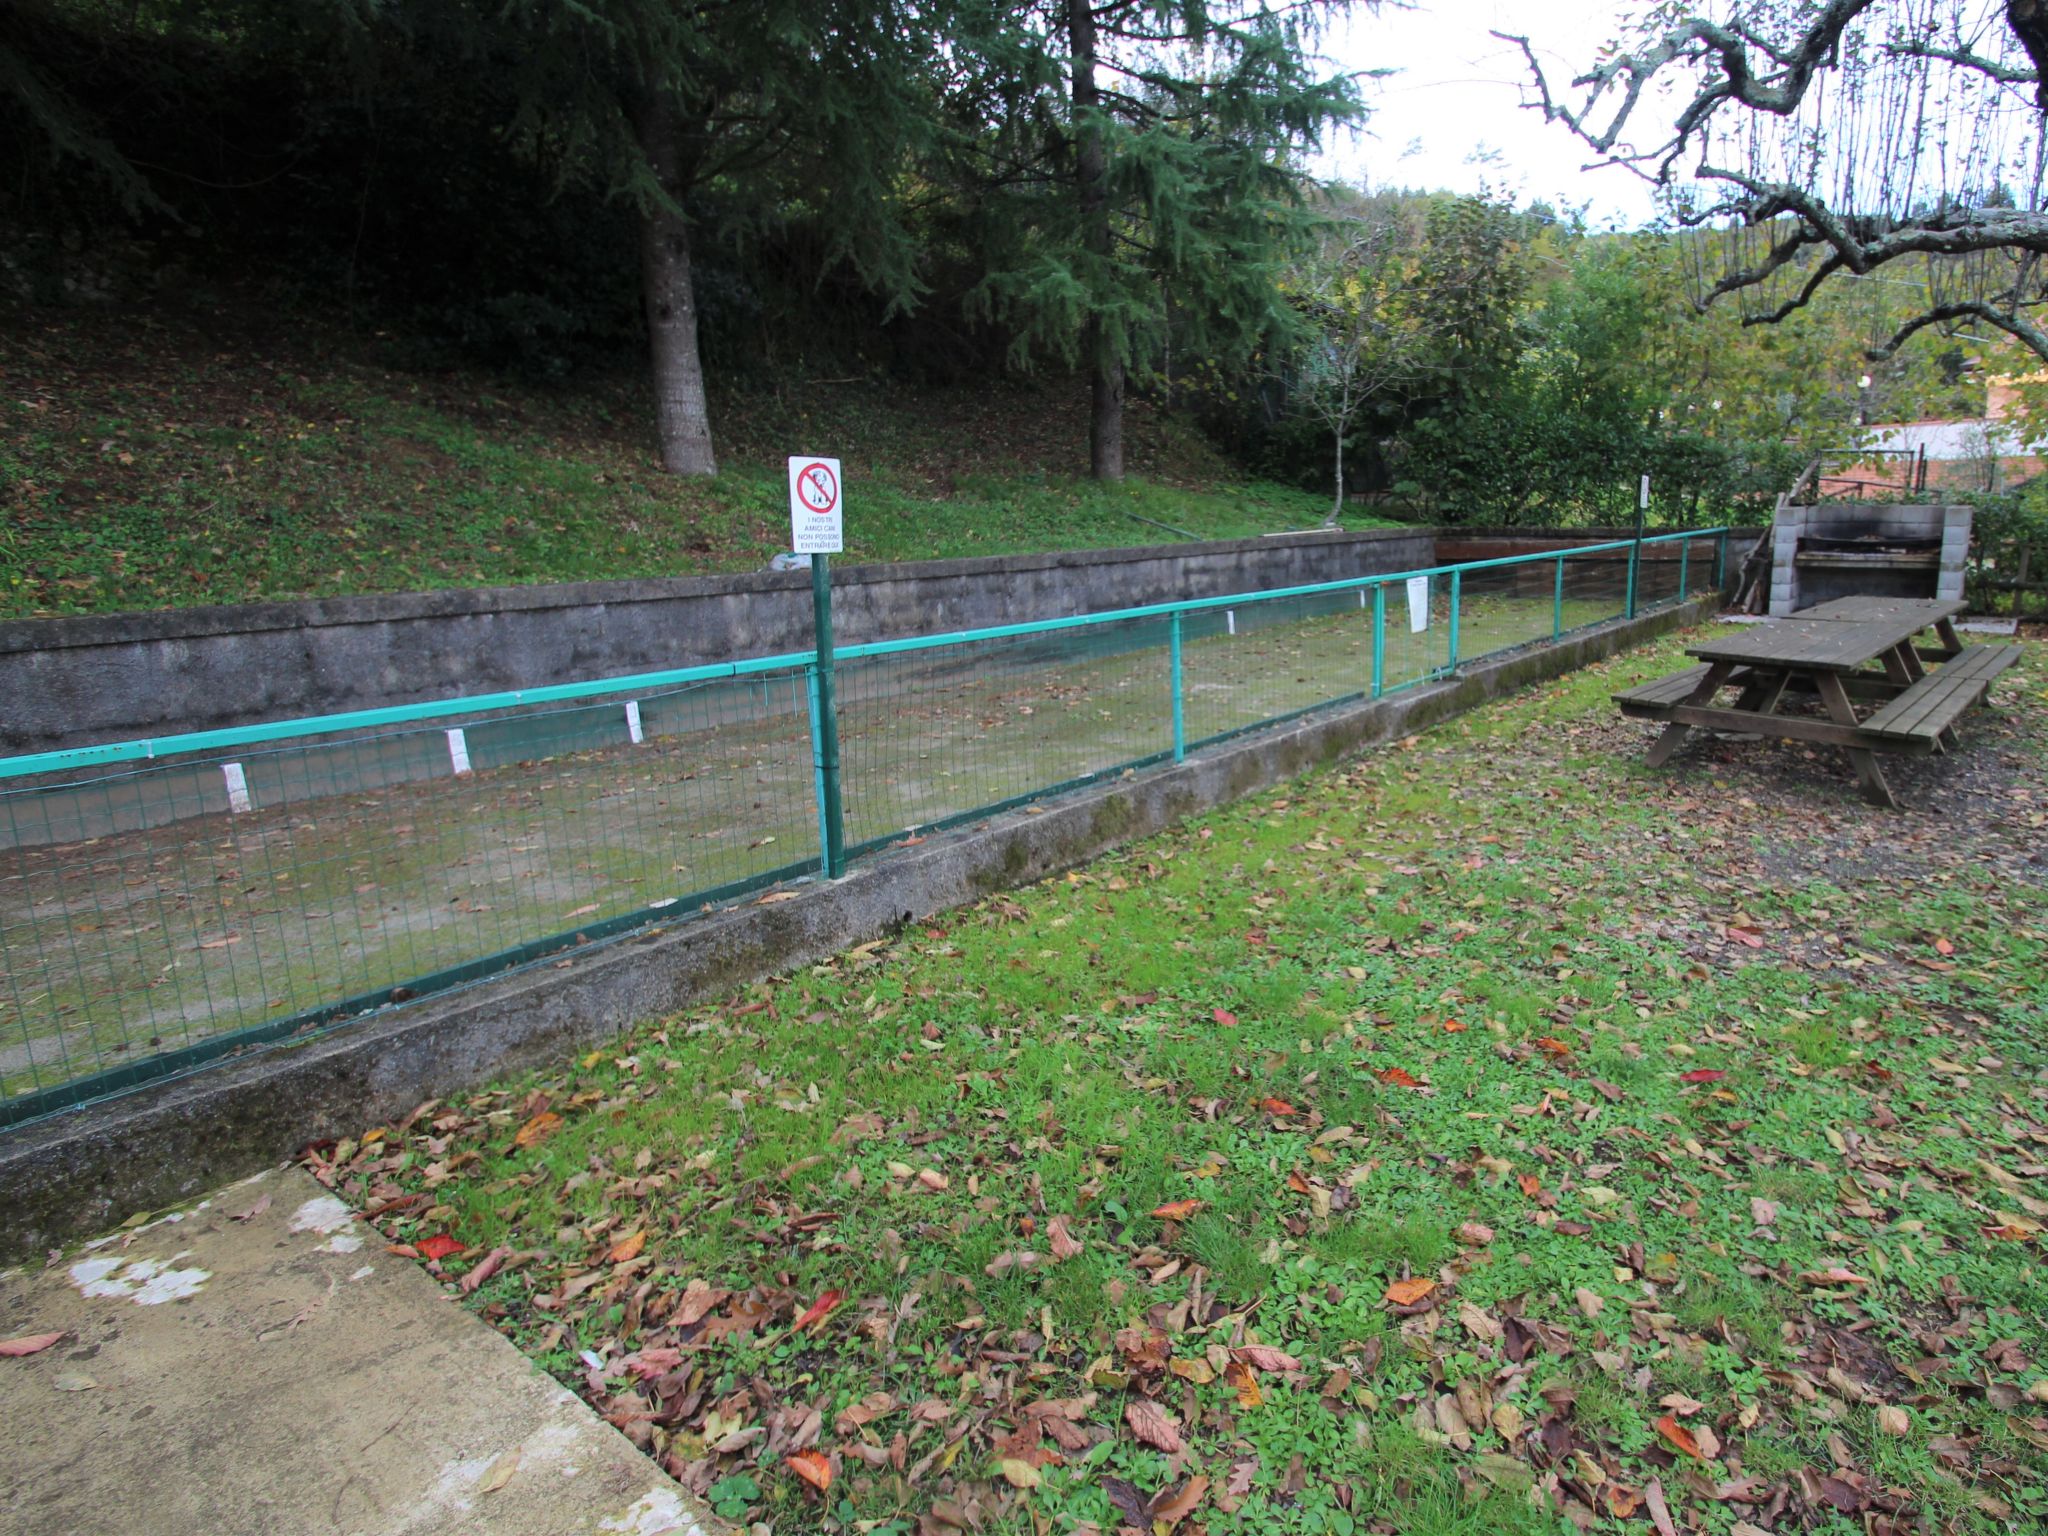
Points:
162	903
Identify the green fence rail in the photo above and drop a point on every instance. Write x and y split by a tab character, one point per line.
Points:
165	902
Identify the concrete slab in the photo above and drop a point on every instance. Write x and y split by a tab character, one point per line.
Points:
259	1364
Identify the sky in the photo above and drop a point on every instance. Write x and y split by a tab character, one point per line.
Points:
1451	117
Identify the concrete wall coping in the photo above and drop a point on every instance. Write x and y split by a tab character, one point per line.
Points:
452	602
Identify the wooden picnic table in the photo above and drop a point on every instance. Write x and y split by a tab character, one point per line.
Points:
1854	650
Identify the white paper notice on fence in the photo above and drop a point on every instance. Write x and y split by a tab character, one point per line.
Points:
1418	604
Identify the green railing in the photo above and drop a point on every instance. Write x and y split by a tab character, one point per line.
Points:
166	901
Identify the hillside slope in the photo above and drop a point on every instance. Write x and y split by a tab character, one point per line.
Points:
226	455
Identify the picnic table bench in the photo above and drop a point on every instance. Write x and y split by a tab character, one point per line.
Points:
1849	651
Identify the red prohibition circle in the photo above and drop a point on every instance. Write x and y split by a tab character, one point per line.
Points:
817	488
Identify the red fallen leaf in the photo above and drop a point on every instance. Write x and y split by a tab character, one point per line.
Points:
1224	1017
1297	1183
1278	1107
28	1344
1679	1436
1178	1210
812	1467
627	1247
817	1312
1701	1075
2007	1234
1551	1045
1396	1077
1943	947
439	1246
1531	1185
1750	936
1454	1027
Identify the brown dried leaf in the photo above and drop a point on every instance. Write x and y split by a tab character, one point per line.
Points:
1153	1425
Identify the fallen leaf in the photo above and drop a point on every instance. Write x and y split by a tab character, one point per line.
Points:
1591	1303
1679	1436
627	1247
74	1381
1019	1474
1244	1383
814	1467
1266	1358
262	1204
538	1129
439	1246
1224	1017
1153	1425
28	1344
817	1312
1178	1210
1749	936
499	1472
1763	1212
1702	1075
1894	1421
1474	1234
1278	1107
1406	1293
486	1267
1167	1510
1396	1077
1064	1244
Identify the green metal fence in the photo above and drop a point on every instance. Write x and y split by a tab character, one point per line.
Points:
166	902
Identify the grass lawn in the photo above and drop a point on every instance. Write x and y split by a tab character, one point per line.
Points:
172	459
1489	1135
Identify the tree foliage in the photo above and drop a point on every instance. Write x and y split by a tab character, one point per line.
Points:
1849	135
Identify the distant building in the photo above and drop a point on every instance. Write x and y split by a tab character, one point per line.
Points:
1985	453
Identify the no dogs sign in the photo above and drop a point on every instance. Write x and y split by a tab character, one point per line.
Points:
816	526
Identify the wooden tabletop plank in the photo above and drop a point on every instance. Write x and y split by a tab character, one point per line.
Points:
1819	645
1929	610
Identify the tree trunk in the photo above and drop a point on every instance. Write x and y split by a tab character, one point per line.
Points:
1105	369
1337	502
682	415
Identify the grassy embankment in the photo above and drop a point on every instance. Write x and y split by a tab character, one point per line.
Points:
165	462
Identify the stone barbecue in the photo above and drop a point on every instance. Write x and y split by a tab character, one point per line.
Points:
1857	549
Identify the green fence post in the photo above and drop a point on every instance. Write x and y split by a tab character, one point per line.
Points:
825	725
1457	582
1379	639
1557	602
818	773
1180	719
1684	556
1721	560
1635	551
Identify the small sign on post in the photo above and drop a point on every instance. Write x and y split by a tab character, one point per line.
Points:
1418	604
817	529
816	523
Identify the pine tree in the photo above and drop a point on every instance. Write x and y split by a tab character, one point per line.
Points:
1135	149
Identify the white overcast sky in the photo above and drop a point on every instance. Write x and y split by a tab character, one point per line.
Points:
1451	117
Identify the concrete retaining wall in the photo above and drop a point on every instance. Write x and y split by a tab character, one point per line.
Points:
80	681
82	1172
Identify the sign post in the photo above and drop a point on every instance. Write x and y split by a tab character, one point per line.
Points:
1635	554
817	529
